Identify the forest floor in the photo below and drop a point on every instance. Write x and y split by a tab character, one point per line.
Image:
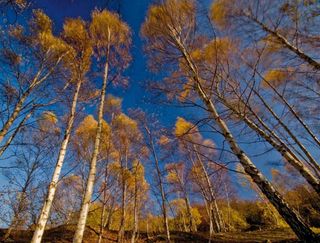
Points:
64	234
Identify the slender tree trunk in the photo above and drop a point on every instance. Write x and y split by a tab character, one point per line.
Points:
135	216
163	196
108	222
148	237
45	212
207	198
228	203
123	215
184	223
102	222
213	201
16	216
192	227
296	223
288	155
15	132
303	56
93	163
18	107
312	161
121	232
291	217
4	130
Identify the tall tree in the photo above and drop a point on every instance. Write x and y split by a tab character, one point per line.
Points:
47	53
26	173
282	69
178	177
75	34
156	142
191	141
169	31
111	40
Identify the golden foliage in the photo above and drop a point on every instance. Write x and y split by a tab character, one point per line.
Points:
272	44
107	29
175	172
126	125
41	22
172	177
21	3
86	134
220	11
170	18
218	49
183	127
76	35
54	46
186	92
234	219
49	117
180	208
48	122
113	104
276	77
164	140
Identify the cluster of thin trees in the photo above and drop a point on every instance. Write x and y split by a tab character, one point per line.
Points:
248	69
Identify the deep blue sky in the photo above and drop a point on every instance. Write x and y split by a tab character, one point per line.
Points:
133	13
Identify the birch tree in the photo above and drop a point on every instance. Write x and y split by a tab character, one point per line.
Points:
173	42
75	34
156	142
111	40
190	142
47	53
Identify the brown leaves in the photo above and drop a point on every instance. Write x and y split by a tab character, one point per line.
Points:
169	18
48	123
41	22
276	77
11	57
76	35
220	11
182	127
113	105
106	30
166	26
86	134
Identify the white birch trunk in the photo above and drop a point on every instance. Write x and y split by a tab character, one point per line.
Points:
296	223
45	212
93	163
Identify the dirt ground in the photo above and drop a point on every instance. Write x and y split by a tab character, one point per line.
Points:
65	234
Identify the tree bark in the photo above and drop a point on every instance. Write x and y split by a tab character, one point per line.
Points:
288	155
216	215
36	81
163	196
45	212
15	132
303	56
121	232
93	163
135	212
296	223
